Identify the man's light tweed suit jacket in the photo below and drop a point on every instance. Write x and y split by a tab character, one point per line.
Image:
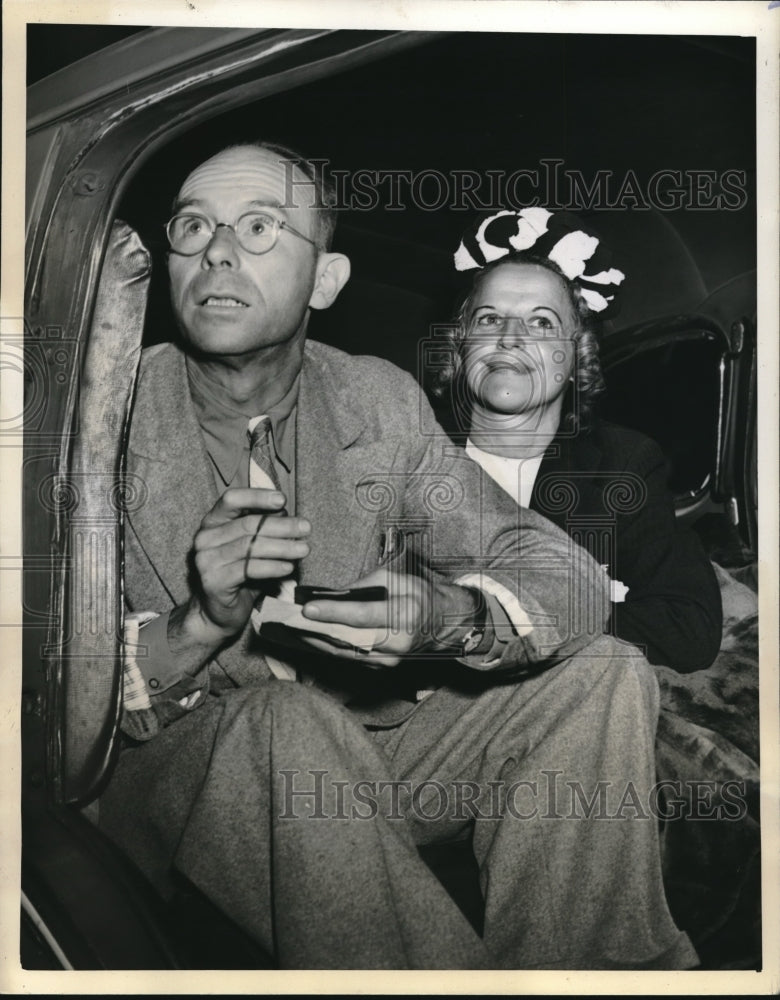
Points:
368	453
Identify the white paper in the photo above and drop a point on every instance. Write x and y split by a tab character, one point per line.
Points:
272	610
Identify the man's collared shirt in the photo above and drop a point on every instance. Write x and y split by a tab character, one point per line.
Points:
224	430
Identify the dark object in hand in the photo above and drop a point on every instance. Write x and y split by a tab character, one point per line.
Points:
305	594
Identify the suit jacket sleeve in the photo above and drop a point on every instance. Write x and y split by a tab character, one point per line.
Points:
164	693
476	528
672	609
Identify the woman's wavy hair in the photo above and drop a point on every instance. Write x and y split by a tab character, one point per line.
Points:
588	378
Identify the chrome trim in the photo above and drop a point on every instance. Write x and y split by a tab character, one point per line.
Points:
46	934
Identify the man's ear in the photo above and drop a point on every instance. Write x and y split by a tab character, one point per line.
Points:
331	276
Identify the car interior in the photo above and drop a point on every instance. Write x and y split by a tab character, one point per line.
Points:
680	362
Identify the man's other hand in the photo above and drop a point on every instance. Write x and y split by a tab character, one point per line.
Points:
417	613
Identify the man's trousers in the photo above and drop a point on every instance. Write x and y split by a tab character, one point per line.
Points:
302	825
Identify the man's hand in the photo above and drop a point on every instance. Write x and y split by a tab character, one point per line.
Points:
418	614
239	545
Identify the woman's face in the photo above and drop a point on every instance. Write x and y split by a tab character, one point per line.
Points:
519	349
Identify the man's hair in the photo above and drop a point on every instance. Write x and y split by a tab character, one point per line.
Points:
324	191
589	380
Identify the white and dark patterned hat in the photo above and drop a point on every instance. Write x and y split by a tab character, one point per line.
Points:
559	236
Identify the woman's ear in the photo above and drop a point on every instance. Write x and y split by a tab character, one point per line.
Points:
332	274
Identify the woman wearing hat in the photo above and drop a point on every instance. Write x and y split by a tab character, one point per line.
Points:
523	380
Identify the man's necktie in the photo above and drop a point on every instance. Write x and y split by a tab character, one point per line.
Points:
263	475
261	466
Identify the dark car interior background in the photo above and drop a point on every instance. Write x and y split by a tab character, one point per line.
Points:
680	358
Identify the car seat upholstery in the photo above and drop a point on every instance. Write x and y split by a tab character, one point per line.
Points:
98	494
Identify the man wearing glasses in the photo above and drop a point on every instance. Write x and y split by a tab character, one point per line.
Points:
292	775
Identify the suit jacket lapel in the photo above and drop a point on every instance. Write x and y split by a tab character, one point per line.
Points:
335	451
166	450
573	461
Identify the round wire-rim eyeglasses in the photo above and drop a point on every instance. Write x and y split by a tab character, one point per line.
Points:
189	242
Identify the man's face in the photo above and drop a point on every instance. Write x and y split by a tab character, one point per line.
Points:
228	301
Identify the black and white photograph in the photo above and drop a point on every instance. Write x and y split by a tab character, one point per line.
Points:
383	525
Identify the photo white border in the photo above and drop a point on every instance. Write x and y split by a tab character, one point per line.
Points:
759	19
